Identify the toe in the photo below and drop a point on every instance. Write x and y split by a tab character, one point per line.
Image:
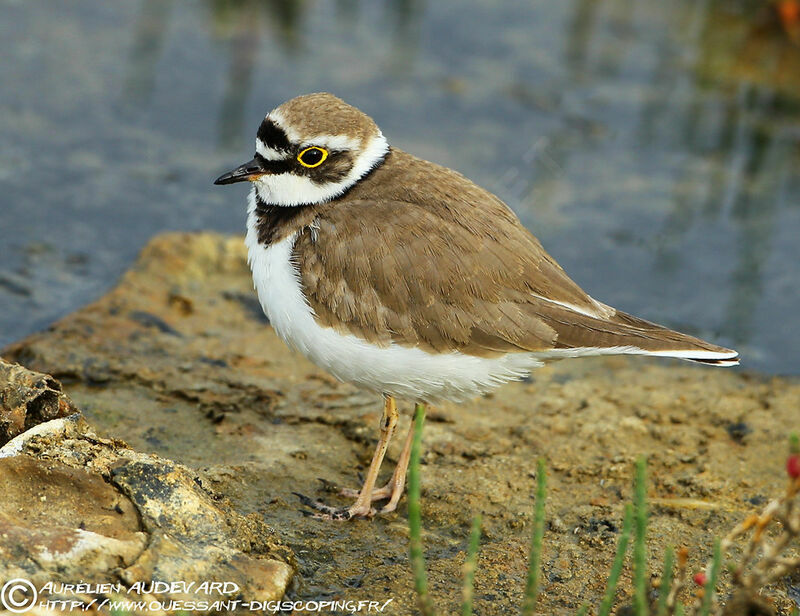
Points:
321	511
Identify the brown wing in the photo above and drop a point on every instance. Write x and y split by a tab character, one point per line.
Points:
418	255
447	280
409	275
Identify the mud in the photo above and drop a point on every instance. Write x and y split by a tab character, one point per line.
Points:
178	361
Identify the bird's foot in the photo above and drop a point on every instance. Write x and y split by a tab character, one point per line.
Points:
321	511
377	494
392	491
334	488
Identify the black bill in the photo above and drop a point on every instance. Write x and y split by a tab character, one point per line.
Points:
246	172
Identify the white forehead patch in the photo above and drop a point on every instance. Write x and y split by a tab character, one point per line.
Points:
268	153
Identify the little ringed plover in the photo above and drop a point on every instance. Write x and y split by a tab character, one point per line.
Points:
405	278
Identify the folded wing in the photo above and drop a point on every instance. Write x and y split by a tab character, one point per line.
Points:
446	280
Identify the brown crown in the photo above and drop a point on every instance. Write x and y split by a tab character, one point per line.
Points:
321	113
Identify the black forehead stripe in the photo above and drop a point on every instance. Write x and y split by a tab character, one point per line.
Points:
273	136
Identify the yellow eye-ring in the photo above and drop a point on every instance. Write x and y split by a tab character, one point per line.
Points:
312	157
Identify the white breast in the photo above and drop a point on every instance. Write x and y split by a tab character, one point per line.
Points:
395	370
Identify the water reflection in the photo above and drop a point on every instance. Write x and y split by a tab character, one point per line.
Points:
148	42
405	27
653	144
239	27
738	128
724	119
234	19
754	196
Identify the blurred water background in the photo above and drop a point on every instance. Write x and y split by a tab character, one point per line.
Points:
653	147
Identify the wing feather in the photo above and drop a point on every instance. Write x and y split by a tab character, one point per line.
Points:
447	279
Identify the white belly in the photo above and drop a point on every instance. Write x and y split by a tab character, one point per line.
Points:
395	370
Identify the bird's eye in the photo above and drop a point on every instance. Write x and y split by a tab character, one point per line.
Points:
312	157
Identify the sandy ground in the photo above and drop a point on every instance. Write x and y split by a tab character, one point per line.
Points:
178	360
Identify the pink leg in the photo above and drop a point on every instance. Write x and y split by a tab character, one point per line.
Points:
394	489
362	508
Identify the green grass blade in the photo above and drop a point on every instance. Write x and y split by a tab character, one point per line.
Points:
619	560
666	582
711	585
584	610
640	576
535	559
416	556
470	564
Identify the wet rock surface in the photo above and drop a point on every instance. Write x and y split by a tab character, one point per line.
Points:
80	508
28	398
178	361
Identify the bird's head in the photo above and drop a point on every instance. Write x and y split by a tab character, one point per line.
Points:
310	150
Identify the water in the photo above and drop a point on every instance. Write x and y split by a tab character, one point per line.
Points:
653	147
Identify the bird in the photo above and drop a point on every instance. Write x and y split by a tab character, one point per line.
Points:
407	279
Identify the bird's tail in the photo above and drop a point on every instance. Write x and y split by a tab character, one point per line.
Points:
660	341
625	334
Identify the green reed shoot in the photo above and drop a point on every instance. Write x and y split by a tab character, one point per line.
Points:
416	556
640	575
470	564
711	584
535	559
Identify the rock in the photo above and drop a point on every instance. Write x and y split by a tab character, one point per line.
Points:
28	398
78	507
177	361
